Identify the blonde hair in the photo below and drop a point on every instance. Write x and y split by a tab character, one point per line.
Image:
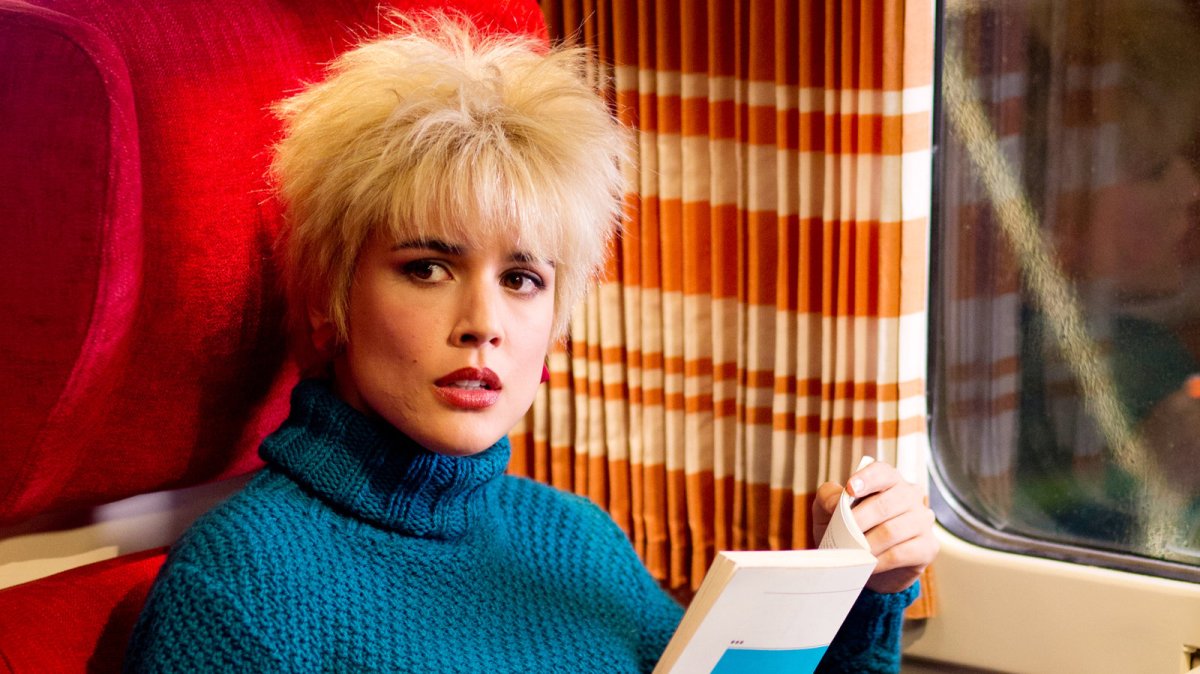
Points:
440	131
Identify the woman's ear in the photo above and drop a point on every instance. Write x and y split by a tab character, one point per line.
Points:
322	332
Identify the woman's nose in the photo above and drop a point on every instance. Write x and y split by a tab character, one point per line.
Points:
479	318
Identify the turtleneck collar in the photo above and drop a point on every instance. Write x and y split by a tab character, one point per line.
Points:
377	473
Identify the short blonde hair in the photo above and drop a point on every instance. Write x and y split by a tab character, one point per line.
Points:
436	130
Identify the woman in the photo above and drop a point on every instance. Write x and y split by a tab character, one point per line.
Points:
449	199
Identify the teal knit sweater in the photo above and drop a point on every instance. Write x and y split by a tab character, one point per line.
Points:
355	550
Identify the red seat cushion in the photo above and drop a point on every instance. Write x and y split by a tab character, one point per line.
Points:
78	620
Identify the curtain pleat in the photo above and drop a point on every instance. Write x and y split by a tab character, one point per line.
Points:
762	322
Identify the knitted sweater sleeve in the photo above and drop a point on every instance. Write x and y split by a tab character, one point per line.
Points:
191	623
661	617
869	639
658	614
654	614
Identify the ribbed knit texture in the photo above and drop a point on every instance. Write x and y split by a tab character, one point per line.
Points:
357	550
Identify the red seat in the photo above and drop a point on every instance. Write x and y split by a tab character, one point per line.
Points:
141	346
77	620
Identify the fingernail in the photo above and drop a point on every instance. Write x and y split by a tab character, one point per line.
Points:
856	485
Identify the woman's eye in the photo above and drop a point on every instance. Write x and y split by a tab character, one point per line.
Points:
425	270
523	282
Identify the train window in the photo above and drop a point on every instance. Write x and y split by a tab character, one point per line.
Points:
1065	359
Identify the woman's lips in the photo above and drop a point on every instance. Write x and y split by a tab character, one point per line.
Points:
469	388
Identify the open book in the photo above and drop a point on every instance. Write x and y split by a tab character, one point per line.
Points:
773	611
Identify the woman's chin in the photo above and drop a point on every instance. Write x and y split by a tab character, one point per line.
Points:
458	451
456	444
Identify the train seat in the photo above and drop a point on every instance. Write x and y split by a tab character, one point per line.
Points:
141	340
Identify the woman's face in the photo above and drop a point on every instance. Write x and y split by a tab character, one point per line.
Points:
446	342
1139	226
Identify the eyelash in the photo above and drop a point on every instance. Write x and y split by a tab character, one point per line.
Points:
415	268
538	284
421	271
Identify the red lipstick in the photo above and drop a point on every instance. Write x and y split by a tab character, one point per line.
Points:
469	388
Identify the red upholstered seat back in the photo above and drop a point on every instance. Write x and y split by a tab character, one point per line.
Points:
140	346
141	343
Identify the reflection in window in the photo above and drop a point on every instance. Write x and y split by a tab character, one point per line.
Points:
1068	299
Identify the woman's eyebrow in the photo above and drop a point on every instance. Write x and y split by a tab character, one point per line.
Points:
430	244
528	258
445	248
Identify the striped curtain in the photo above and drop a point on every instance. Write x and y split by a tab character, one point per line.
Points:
762	323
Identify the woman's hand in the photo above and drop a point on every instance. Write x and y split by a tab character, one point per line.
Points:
893	515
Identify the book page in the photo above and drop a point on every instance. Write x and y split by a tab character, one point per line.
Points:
768	611
843	531
777	611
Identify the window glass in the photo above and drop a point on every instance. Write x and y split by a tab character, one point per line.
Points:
1067	295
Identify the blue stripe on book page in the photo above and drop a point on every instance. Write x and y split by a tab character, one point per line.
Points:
749	661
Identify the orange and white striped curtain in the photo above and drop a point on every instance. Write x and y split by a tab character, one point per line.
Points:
762	324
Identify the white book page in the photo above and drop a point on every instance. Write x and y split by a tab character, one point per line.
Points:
843	531
777	608
788	602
